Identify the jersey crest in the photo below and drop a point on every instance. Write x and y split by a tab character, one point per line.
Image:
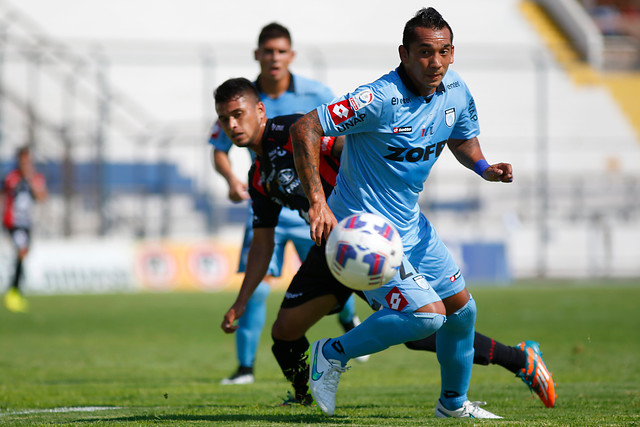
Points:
450	116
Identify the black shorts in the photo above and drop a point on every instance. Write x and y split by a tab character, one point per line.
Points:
20	237
314	279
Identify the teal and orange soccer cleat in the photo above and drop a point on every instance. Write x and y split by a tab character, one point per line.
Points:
536	375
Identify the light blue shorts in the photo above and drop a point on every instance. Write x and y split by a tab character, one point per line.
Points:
428	274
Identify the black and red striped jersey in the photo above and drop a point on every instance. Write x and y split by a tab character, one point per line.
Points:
19	198
273	180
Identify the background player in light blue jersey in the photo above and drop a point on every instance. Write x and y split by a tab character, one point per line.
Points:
282	93
396	128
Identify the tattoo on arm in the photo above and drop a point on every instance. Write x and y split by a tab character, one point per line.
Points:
467	151
305	137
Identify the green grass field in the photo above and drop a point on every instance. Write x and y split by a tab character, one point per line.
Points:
157	359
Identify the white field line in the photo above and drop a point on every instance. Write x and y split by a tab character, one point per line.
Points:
61	410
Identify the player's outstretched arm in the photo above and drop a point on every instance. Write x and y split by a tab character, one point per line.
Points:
39	188
221	163
469	153
258	260
306	134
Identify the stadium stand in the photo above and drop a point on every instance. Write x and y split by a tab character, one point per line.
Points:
571	130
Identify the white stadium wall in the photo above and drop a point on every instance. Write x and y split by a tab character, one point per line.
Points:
571	145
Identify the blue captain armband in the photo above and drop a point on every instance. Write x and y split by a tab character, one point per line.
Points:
481	166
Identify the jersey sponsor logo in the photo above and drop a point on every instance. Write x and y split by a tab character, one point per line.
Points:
396	300
402	129
427	131
416	154
340	111
473	115
351	123
289	295
455	276
277	127
453	84
399	101
450	116
361	100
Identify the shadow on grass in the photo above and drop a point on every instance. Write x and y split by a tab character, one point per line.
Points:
316	417
304	419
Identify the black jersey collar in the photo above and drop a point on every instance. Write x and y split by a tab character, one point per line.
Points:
409	84
291	88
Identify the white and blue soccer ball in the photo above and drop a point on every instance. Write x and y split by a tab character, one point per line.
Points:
364	251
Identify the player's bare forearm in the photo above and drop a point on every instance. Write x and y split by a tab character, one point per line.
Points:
468	152
222	165
258	259
305	137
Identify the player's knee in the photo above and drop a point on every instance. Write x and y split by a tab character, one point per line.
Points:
463	319
436	307
422	325
286	328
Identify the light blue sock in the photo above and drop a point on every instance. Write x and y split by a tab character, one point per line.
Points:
381	330
250	325
454	347
348	311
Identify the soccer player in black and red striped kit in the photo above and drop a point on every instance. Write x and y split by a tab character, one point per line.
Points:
273	183
21	188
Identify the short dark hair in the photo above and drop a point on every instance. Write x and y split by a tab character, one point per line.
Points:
273	31
424	18
234	88
23	151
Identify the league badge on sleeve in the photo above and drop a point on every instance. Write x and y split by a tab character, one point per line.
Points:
340	111
361	99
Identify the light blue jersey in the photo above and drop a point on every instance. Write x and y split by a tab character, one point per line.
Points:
393	139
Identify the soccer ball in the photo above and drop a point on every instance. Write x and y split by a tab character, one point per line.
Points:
364	251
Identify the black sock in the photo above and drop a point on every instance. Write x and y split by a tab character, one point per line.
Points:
292	360
17	274
347	326
490	351
244	370
426	344
486	349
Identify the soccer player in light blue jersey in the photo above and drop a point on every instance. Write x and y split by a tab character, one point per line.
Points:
396	128
282	93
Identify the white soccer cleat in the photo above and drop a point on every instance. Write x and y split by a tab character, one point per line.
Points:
468	410
362	359
324	376
242	376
